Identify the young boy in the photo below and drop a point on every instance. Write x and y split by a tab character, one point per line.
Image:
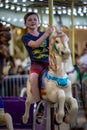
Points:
37	45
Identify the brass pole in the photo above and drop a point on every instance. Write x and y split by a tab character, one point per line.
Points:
72	33
50	5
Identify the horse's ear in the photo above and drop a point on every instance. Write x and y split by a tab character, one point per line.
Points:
54	33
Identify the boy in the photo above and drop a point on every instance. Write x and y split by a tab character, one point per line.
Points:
37	45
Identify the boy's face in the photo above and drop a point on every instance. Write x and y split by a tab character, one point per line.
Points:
32	21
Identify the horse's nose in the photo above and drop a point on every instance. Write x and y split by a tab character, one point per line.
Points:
62	53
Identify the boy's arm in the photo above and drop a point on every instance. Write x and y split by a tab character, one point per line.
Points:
38	42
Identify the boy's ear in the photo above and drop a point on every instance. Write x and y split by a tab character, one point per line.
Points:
38	23
25	24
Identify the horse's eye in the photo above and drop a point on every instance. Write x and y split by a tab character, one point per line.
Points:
57	41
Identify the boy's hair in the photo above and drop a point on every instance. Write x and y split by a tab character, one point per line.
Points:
28	14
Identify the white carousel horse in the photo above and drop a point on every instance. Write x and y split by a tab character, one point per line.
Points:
69	67
56	82
70	70
5	118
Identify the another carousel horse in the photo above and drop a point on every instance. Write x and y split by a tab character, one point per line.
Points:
57	86
70	70
5	36
69	67
5	118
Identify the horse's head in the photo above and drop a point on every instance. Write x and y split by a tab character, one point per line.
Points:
58	51
5	34
58	46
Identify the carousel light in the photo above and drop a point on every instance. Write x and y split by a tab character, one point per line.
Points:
3	18
24	0
45	25
69	11
8	19
35	10
30	10
76	26
74	12
81	14
6	1
7	24
59	8
21	20
84	10
79	10
15	19
6	6
54	12
59	12
4	23
15	1
32	0
64	11
80	27
18	8
47	11
85	27
84	2
12	7
24	9
1	5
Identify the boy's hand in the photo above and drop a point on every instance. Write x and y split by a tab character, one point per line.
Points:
49	30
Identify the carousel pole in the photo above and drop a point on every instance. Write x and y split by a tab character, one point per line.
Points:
72	33
50	5
51	107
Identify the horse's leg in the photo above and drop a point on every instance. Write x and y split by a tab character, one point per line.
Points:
8	121
61	102
72	110
28	102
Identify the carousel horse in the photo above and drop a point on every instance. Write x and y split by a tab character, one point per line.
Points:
5	118
5	36
56	86
70	70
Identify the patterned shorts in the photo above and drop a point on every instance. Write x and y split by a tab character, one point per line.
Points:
38	67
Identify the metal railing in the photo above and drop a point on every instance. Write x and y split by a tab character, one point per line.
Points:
12	85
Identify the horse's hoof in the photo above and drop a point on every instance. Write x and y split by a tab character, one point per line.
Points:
39	119
64	118
55	122
24	120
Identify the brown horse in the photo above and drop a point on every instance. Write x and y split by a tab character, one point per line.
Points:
5	36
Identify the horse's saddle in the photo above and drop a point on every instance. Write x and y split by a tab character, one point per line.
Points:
61	82
41	82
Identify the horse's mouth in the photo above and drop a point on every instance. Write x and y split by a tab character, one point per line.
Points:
65	55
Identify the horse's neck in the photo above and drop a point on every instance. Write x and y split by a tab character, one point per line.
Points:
59	72
68	64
